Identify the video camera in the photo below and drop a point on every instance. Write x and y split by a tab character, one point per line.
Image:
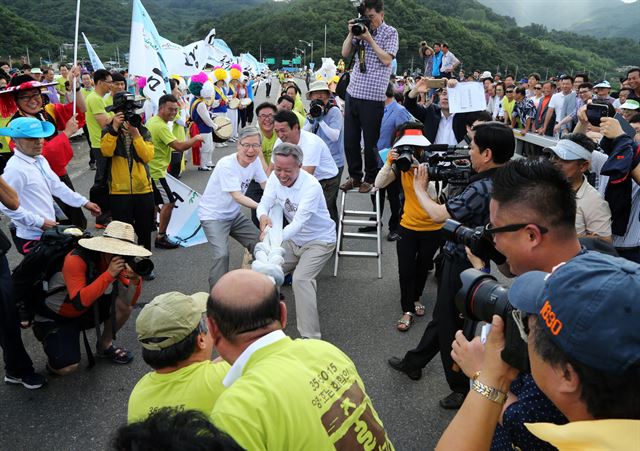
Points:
443	161
362	23
124	102
481	297
139	265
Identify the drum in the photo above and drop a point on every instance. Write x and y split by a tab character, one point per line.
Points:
245	102
224	130
234	103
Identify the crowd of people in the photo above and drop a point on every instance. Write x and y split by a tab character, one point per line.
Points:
564	220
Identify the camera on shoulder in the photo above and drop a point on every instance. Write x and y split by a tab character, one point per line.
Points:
126	103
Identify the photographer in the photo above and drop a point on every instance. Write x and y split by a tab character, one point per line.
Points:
492	146
96	282
420	236
589	375
127	143
375	44
533	214
325	120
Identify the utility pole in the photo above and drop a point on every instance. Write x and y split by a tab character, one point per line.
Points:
28	59
325	40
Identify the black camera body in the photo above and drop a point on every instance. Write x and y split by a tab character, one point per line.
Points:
316	108
128	107
453	168
139	265
481	297
361	23
406	155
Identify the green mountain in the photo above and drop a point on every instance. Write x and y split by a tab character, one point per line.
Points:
478	36
611	18
106	23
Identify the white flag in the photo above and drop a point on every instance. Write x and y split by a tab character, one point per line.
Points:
93	56
146	56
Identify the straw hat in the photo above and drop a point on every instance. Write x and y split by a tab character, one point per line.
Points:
118	239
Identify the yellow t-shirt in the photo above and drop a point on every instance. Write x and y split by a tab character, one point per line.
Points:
413	215
508	106
594	435
95	105
300	395
108	100
196	386
4	140
267	145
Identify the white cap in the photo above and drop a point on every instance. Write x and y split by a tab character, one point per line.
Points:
567	150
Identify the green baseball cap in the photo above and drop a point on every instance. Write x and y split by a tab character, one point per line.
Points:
169	319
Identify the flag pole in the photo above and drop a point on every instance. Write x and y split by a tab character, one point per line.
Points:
75	54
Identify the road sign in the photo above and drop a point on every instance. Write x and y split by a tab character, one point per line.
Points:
295	60
270	60
286	62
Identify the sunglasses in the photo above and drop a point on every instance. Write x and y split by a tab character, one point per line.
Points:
508	91
491	230
537	87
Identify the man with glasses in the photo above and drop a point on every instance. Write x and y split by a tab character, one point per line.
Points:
533	212
374	51
265	112
97	119
492	146
219	209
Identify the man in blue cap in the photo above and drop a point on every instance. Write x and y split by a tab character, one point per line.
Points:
29	173
581	325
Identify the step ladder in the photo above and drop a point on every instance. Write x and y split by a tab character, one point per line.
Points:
355	218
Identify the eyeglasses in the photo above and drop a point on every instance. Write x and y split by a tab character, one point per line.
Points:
247	146
265	116
491	230
108	81
509	91
584	92
36	96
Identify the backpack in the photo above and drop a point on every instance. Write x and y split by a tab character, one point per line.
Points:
31	276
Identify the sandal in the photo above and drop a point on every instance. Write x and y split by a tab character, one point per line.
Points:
404	324
420	309
118	355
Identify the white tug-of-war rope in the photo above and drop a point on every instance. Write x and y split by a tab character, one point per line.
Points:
269	254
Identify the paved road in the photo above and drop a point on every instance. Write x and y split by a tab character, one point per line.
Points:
358	312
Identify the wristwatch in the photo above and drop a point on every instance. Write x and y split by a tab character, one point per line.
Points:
491	393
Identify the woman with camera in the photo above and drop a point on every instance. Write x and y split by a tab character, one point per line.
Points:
420	235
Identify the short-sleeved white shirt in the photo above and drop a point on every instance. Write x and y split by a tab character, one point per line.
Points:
315	153
227	177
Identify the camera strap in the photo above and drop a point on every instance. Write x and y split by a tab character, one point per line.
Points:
362	58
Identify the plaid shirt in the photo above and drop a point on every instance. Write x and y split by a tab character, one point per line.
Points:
471	207
524	110
372	84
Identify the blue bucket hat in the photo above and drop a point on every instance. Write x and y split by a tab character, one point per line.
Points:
28	127
591	307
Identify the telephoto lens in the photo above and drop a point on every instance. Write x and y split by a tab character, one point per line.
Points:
481	297
316	108
140	265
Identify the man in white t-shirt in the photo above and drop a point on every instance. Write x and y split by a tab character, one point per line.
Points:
219	209
317	159
556	104
310	238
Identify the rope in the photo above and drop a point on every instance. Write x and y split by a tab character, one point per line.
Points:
269	254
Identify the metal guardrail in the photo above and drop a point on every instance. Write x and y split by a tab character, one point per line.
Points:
531	144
